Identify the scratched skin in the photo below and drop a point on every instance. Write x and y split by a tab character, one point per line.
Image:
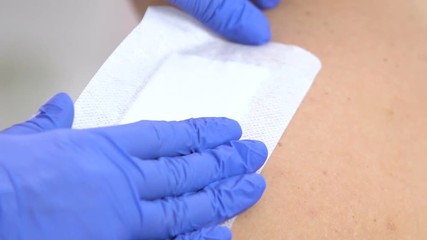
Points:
353	162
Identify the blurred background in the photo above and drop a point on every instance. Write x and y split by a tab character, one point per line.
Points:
50	46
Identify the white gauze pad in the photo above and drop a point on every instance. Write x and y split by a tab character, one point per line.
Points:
171	68
187	86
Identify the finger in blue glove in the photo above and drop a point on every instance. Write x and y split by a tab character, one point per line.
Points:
154	139
267	4
170	177
237	20
57	113
211	233
211	206
97	184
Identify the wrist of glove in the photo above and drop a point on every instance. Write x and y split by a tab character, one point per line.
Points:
147	180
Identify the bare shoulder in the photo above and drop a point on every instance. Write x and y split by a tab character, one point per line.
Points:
352	164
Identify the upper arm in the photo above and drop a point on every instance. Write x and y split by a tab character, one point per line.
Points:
352	164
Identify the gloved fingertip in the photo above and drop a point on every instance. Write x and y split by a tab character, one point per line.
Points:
212	132
258	182
60	108
232	126
219	233
209	233
249	190
254	31
237	20
267	4
58	112
58	103
254	152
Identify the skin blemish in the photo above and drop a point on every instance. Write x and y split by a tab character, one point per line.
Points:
391	226
312	213
389	112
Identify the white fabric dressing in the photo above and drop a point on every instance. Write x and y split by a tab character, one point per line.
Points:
171	68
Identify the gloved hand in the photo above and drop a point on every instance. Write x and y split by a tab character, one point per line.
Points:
237	20
147	180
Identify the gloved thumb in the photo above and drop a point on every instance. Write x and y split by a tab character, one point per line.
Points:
267	4
237	20
56	113
210	233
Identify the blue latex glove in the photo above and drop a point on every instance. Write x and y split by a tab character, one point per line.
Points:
237	20
147	180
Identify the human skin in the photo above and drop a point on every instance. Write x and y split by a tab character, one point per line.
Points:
353	162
